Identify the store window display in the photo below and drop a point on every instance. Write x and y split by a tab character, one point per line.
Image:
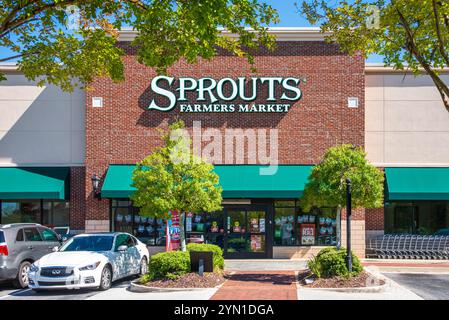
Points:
126	218
205	228
295	227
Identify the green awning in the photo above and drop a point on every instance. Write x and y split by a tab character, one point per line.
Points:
237	181
117	183
34	183
417	183
246	181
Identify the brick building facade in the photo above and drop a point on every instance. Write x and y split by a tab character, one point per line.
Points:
398	119
124	131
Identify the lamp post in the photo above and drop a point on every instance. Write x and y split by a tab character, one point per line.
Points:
96	186
348	224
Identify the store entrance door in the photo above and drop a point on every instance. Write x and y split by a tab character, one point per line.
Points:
247	232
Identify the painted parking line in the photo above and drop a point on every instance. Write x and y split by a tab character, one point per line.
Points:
14	293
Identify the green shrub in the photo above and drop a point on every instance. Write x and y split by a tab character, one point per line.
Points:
168	265
218	253
331	262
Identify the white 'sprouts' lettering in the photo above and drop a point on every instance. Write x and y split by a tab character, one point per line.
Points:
225	90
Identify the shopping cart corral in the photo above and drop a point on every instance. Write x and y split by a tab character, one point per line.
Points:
407	246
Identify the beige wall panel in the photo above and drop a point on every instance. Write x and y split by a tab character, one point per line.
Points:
417	147
374	115
374	87
400	87
374	146
40	125
416	116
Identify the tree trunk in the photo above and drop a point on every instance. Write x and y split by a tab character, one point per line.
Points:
443	89
338	231
182	230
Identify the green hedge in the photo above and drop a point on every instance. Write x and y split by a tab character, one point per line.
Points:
218	253
168	265
331	262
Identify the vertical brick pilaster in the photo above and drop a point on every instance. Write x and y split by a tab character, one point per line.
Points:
77	198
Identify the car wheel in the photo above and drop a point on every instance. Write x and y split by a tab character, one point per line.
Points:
143	266
21	280
106	278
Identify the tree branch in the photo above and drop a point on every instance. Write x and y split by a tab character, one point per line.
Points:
441	86
24	19
439	36
11	57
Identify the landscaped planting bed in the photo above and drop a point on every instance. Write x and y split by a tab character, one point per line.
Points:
361	280
172	269
190	280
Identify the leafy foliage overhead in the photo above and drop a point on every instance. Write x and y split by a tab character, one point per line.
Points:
411	34
65	39
327	183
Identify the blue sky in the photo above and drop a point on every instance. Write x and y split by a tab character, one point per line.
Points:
289	17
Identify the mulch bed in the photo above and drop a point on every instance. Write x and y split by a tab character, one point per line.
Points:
190	280
364	279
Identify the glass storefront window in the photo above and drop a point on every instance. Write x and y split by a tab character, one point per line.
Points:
418	217
126	218
49	213
284	227
56	213
294	227
21	211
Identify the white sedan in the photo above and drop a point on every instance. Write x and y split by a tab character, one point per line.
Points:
90	261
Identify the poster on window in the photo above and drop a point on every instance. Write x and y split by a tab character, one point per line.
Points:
308	234
256	243
189	222
173	232
262	225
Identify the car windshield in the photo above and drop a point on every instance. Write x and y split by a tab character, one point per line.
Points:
88	243
2	237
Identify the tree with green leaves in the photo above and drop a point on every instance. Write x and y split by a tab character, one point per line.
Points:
172	178
412	34
69	42
326	186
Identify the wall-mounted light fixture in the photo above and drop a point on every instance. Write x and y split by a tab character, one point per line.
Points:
96	186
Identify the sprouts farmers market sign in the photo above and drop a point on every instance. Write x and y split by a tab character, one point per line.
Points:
213	95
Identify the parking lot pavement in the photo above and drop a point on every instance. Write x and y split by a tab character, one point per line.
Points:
7	292
427	286
122	293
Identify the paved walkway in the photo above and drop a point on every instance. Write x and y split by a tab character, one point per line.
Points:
266	285
264	264
409	266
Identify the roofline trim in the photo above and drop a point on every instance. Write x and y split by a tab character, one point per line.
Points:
281	33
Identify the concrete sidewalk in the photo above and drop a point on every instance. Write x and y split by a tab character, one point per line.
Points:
408	266
391	291
265	265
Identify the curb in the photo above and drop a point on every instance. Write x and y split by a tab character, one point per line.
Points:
138	288
373	289
134	286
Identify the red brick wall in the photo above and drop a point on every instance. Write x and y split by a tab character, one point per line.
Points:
77	198
124	132
374	219
357	214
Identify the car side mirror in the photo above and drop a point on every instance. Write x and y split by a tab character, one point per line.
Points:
122	248
55	249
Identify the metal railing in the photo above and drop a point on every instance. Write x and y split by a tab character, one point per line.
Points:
408	247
